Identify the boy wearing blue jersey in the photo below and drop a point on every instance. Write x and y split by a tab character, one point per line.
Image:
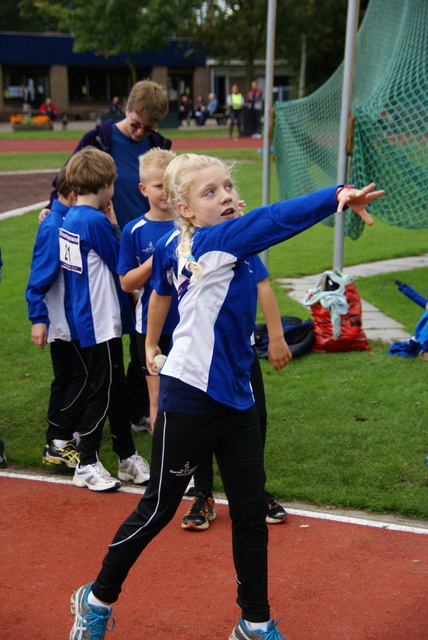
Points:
137	244
101	311
205	397
53	325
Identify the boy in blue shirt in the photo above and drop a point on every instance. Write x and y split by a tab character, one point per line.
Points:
137	244
101	311
51	324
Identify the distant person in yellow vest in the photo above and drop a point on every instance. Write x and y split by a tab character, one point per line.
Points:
235	102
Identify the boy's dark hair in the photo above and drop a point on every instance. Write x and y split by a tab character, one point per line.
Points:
62	184
89	170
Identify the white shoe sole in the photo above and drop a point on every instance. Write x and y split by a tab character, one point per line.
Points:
81	483
127	477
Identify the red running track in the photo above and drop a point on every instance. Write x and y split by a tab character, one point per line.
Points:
329	580
178	144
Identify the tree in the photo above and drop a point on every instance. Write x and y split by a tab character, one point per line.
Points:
232	30
118	27
237	29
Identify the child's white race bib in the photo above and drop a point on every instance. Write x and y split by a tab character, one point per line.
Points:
69	251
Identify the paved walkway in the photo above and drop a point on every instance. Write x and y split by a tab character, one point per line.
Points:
376	325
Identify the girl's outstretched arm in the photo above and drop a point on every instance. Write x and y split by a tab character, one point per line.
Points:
358	199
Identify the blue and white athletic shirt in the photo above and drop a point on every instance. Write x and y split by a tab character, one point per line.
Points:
45	289
137	245
127	198
211	349
89	252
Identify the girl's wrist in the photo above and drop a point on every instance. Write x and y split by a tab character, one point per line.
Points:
345	186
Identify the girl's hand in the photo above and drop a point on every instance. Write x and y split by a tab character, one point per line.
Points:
279	354
357	200
151	352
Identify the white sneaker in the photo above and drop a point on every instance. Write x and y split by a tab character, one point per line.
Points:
134	469
94	477
103	471
143	424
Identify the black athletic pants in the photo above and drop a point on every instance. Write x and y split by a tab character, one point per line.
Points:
68	390
179	442
204	476
107	396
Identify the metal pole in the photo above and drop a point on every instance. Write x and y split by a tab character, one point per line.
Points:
348	79
270	60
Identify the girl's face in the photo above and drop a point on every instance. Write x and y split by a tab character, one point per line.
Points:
212	198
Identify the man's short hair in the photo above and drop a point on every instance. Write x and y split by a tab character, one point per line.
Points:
148	99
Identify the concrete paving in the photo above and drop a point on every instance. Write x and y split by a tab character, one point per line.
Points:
376	325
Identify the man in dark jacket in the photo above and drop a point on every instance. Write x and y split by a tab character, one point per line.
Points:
125	141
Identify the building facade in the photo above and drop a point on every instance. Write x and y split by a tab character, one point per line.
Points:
83	84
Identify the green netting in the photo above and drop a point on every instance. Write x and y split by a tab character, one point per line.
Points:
390	105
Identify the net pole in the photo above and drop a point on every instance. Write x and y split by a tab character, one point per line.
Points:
270	60
348	79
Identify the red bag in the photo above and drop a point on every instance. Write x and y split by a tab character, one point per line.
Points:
352	336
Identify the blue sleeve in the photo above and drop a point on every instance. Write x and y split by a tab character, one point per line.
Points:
266	226
258	268
104	241
45	268
127	259
161	278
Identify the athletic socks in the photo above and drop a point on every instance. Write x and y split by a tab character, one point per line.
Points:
257	626
94	602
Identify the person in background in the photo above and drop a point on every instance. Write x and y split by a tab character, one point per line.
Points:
185	109
126	141
255	103
200	105
53	325
235	102
115	108
49	109
102	314
209	110
134	266
3	459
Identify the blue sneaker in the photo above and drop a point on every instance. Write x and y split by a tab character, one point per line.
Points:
242	632
90	622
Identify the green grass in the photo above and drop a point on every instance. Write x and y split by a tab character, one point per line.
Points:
32	161
345	429
68	134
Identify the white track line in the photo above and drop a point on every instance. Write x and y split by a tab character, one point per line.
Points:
21	210
303	513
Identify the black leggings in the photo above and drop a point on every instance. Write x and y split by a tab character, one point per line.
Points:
204	476
179	442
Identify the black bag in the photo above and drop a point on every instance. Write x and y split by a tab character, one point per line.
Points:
299	335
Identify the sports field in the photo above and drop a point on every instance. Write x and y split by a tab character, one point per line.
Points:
332	576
